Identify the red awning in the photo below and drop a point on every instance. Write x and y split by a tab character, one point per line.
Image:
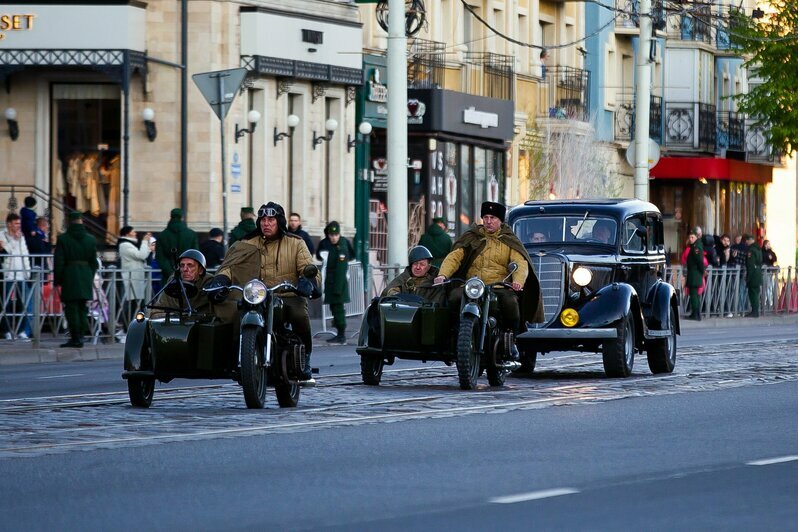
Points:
711	168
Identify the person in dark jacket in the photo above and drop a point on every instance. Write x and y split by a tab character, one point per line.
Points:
28	217
768	255
213	248
753	274
39	243
723	251
336	286
295	228
244	227
75	262
437	241
173	241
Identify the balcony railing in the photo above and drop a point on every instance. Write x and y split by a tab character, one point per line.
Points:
628	13
690	126
625	119
565	93
731	131
494	74
697	24
426	64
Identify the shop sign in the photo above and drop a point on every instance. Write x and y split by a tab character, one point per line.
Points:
480	118
377	91
380	183
10	22
415	111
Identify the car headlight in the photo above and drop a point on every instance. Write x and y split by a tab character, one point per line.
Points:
255	292
474	288
569	317
582	276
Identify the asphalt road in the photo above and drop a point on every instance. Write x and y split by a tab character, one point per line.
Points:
712	446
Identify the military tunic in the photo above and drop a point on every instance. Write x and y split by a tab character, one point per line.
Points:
405	283
695	276
753	276
74	264
336	286
240	231
177	236
199	301
438	242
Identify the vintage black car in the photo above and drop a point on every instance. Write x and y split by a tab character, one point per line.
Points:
601	265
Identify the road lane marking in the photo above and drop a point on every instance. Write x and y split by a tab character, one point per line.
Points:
61	376
533	496
770	461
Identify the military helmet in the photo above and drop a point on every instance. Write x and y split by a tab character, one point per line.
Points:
418	253
194	255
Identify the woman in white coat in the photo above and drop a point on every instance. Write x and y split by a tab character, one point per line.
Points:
133	261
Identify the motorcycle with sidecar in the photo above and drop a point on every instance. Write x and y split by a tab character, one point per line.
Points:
183	343
410	327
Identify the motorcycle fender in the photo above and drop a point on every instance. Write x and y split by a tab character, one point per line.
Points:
135	342
605	307
253	318
470	309
661	299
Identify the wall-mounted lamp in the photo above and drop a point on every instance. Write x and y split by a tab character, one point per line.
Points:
365	130
330	125
148	115
293	121
253	117
13	126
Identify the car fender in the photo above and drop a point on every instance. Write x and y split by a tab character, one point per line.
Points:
137	356
662	299
608	305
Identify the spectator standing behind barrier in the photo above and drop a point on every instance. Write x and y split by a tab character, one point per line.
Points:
244	227
133	260
723	251
336	286
173	241
295	228
39	243
753	274
739	251
213	248
16	274
28	217
437	241
75	263
768	255
694	261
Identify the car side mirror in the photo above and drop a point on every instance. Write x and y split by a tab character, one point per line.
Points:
310	271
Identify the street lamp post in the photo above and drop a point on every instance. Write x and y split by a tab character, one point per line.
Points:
397	134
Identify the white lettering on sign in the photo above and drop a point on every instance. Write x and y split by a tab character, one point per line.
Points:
480	118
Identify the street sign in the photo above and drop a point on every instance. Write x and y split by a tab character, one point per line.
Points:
220	88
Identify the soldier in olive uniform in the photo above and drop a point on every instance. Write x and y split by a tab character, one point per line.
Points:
336	287
437	241
753	274
417	278
695	273
75	262
244	227
192	273
173	241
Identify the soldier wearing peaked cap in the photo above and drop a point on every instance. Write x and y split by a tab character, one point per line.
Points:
336	287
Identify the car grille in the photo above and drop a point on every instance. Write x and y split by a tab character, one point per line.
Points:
550	270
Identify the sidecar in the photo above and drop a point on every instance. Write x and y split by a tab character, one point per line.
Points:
403	326
177	345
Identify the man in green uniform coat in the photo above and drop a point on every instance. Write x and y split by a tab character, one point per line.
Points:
417	278
695	273
437	241
244	227
75	262
192	273
173	241
753	274
336	287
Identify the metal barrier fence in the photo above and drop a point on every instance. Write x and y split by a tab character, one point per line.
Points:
31	304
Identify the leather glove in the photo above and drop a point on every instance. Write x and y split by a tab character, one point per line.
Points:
218	288
307	288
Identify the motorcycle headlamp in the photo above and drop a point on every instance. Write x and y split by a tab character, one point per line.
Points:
255	292
582	276
474	288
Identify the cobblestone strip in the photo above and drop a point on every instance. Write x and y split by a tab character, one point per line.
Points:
36	427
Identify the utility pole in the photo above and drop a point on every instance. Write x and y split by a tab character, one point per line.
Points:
397	134
643	100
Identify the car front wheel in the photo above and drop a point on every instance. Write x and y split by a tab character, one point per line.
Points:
619	353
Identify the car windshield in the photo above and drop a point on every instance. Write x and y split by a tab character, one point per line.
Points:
540	230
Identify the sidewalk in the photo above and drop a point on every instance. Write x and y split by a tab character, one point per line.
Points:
19	352
23	352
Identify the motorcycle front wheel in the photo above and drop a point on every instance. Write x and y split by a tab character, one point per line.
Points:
253	373
287	392
467	354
